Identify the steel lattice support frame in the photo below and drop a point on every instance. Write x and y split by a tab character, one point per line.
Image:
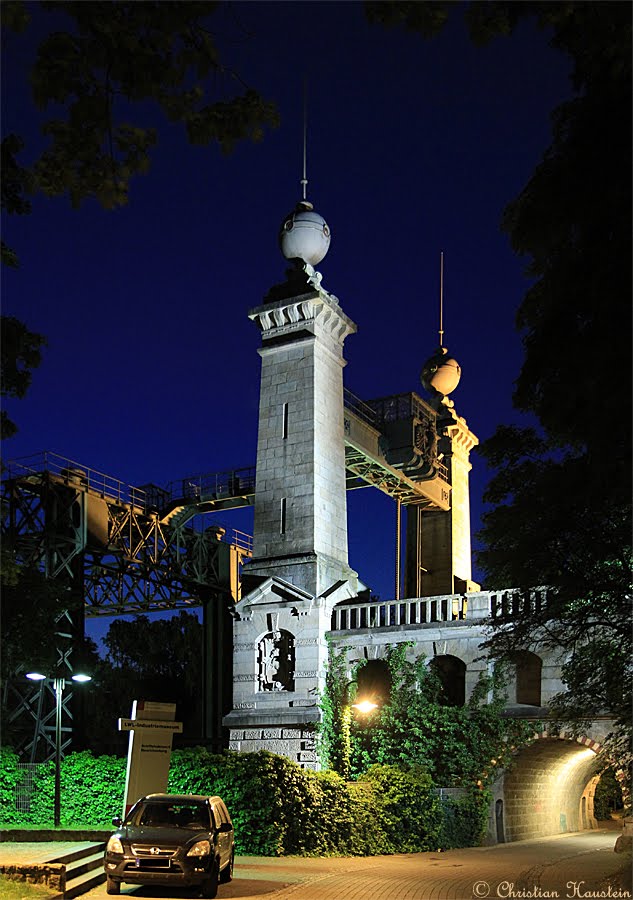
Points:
362	471
35	703
148	566
113	557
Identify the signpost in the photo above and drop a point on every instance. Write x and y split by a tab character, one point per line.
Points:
151	728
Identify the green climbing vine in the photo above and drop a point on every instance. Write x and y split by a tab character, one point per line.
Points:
458	746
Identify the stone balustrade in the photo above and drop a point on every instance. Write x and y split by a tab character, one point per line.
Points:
471	608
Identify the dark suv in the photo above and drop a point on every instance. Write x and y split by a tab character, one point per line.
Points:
175	840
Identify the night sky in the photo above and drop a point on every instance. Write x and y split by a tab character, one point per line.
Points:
414	147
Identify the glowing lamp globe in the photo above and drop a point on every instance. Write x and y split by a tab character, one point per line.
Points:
304	235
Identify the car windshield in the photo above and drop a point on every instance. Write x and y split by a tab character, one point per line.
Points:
154	814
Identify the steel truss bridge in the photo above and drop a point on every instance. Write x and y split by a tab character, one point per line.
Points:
116	549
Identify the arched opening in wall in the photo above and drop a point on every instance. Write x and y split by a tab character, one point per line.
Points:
451	672
374	682
544	788
528	668
608	802
276	661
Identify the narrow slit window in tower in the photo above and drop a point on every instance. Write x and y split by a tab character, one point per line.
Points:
282	522
284	421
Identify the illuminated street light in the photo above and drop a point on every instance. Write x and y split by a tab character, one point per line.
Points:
58	686
363	706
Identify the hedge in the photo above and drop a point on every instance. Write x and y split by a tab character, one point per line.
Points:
464	820
277	807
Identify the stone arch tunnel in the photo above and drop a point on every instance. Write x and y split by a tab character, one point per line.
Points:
548	790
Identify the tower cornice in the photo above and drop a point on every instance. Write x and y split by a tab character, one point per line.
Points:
310	311
462	437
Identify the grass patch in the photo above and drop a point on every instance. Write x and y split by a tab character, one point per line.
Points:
22	890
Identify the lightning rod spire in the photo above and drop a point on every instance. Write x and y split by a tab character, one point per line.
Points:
304	180
441	298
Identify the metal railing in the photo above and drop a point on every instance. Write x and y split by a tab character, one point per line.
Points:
389	409
242	540
23	790
74	473
149	498
400	406
359	407
214	485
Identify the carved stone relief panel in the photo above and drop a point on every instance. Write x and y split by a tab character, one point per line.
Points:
276	661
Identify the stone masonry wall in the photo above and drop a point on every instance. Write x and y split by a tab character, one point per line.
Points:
285	464
298	744
300	528
52	875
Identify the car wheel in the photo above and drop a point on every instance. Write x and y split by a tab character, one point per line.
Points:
227	873
112	886
210	884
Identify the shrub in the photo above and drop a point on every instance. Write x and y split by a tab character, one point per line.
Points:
252	786
277	807
91	790
464	820
409	812
608	795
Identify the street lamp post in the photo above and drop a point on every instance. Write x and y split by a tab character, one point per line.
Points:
58	687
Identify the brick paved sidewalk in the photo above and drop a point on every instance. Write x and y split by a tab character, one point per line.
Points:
586	859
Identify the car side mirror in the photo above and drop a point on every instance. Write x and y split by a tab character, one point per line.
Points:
225	827
116	821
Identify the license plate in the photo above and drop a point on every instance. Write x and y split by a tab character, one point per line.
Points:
155	863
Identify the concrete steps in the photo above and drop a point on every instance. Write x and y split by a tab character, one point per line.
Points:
84	869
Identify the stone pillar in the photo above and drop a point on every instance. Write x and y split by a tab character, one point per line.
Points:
299	569
438	555
300	530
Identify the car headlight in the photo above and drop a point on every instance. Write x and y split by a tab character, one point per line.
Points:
114	845
200	848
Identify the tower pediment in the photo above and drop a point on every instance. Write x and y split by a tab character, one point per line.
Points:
273	591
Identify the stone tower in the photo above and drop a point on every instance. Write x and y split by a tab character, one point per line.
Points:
299	569
438	550
300	531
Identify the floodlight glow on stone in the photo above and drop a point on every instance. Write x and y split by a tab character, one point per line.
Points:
304	234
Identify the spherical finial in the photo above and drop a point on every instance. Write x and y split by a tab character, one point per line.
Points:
441	373
304	234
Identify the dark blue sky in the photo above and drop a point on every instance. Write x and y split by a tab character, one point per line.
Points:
151	371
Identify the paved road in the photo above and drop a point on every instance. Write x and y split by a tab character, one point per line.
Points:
581	865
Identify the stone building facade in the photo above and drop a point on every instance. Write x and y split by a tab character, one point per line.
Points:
299	589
